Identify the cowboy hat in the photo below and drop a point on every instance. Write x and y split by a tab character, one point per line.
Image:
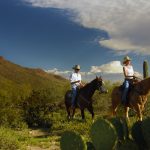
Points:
126	58
76	67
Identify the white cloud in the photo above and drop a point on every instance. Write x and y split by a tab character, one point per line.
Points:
111	71
113	67
57	71
126	21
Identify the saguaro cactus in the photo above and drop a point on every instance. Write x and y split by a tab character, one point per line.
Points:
145	69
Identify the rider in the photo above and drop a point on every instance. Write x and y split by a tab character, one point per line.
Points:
75	79
129	76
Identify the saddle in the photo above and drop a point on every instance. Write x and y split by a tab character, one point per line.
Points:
70	93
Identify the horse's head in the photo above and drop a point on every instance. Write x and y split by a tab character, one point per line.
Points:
100	85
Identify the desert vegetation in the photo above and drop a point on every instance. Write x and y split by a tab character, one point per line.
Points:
33	115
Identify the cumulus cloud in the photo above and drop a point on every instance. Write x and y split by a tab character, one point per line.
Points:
110	68
65	73
111	71
57	71
126	21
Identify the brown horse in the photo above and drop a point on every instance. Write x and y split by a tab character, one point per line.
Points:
84	97
137	98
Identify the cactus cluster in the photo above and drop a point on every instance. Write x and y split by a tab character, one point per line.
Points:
146	130
110	134
137	135
121	128
103	135
72	141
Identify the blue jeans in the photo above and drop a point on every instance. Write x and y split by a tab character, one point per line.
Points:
126	86
74	94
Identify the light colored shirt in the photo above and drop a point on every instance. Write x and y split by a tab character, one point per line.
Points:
129	71
75	77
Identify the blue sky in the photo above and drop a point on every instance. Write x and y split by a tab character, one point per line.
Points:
54	36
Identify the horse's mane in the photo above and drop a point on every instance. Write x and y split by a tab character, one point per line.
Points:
89	84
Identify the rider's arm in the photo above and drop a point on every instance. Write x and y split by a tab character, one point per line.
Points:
125	72
73	80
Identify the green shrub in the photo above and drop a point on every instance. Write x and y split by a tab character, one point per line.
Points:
36	109
7	140
12	117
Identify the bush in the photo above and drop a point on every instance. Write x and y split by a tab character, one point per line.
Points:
12	117
8	140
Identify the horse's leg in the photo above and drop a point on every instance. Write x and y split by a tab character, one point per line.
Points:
68	111
90	109
73	112
114	108
82	114
139	113
127	112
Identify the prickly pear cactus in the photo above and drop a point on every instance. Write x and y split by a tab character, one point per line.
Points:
103	135
125	128
128	145
117	123
72	141
145	69
137	135
146	130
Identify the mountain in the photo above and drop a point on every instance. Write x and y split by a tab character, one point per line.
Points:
17	81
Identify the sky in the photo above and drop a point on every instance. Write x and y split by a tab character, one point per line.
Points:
57	34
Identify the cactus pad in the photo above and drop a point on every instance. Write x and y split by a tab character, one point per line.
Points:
119	127
103	135
146	130
137	135
71	141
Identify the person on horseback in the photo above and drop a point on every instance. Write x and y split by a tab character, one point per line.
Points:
75	80
129	76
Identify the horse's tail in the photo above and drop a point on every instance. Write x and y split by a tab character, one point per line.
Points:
67	98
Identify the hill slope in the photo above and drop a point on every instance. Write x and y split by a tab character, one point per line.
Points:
18	80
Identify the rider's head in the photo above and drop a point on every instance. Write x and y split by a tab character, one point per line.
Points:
126	60
76	68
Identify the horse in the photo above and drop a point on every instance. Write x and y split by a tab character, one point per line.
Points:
137	97
84	97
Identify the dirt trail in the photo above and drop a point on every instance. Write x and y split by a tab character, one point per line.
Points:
43	134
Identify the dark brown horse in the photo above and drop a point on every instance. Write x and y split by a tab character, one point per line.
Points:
84	97
137	98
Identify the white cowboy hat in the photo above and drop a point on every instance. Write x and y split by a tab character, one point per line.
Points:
126	58
76	67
